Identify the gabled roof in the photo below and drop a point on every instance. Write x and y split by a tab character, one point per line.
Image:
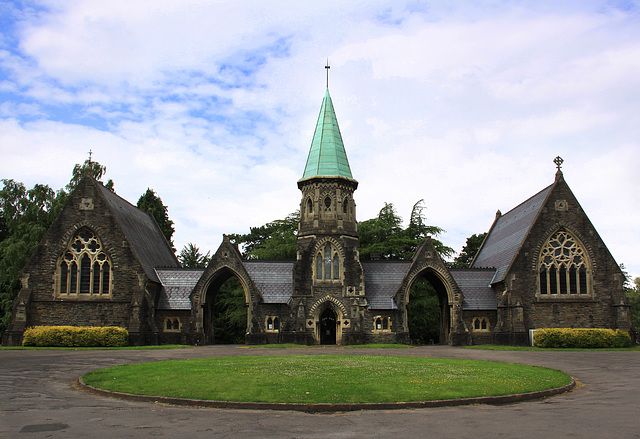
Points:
146	240
382	280
274	279
507	234
475	286
327	156
177	285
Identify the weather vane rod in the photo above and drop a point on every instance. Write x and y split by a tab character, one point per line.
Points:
327	67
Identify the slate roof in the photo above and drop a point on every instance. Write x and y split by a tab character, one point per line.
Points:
274	279
327	156
177	285
475	285
507	234
146	239
382	280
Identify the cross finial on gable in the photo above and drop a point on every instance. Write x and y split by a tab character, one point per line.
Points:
558	161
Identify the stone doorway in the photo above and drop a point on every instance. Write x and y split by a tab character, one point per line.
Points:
328	323
428	310
225	310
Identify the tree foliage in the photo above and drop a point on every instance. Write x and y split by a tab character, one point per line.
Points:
25	216
380	237
191	257
274	240
229	313
383	237
89	167
152	203
423	313
633	295
469	251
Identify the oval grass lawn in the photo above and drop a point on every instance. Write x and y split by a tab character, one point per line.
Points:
325	379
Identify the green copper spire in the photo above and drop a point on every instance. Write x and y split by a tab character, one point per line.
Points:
327	157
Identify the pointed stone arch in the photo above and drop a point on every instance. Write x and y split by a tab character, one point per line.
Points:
225	263
317	316
428	264
321	303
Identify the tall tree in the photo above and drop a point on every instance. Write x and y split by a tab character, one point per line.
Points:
191	257
633	295
469	251
383	237
25	216
275	240
150	202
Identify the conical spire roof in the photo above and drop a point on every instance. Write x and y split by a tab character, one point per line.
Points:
327	156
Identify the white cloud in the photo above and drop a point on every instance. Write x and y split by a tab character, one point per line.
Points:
213	105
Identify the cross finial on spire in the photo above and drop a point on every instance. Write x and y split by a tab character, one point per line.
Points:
90	154
327	67
558	161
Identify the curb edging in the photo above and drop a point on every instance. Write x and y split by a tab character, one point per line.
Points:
327	407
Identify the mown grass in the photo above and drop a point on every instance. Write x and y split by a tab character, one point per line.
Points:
490	347
79	348
355	346
325	379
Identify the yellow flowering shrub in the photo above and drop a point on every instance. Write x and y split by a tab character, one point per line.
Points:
75	336
581	338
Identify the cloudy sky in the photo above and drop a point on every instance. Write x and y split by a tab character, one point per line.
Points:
213	104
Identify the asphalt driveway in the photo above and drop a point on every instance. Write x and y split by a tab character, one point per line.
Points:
38	400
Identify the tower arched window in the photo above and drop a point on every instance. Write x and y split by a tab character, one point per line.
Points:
309	206
345	205
84	268
563	268
327	204
327	264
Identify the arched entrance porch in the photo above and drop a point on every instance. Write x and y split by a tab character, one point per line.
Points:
428	308
225	316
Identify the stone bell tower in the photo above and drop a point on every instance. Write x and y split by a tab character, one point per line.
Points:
328	278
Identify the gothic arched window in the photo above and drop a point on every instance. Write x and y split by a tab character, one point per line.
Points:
327	264
563	268
309	206
327	204
84	268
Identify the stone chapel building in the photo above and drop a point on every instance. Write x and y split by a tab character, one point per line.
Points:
105	262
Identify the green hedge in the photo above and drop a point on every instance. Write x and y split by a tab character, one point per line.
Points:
76	336
581	338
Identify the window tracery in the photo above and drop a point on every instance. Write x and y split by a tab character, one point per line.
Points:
327	263
563	267
84	268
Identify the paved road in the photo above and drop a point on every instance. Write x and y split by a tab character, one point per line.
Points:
38	401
